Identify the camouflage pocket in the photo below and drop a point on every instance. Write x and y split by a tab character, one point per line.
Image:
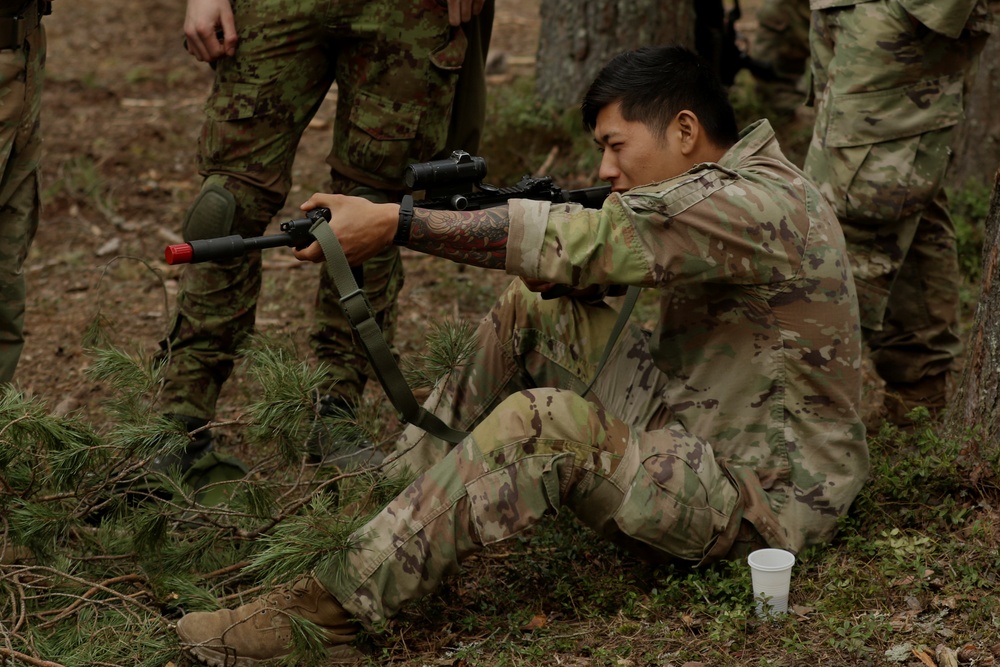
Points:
381	135
676	508
230	135
232	101
888	150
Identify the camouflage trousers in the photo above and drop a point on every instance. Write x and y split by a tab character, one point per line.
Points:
396	68
21	73
889	96
615	459
782	41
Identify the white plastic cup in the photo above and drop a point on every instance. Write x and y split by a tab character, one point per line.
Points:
771	572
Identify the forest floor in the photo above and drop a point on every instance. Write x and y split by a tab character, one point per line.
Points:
122	112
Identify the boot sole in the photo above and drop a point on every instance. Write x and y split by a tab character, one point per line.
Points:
335	655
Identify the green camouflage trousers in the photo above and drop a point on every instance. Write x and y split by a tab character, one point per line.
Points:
782	41
615	459
21	74
889	96
395	66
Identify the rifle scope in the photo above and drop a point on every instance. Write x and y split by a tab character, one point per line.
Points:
457	169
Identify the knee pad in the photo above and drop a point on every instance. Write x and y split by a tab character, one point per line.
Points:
212	213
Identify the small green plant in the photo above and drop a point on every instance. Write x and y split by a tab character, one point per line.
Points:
969	207
80	179
853	636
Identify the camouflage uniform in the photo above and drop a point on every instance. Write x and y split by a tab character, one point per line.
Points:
21	73
782	41
889	79
395	64
674	454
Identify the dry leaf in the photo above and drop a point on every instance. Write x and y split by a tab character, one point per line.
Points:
537	622
946	656
924	658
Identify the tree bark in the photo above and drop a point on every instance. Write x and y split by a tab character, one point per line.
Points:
977	147
975	408
581	36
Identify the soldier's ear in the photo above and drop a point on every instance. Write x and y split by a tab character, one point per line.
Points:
687	131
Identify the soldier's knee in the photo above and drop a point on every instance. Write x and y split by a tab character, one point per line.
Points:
545	416
212	213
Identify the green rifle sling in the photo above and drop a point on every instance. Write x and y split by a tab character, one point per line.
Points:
359	313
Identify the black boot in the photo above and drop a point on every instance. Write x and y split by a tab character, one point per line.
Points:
336	440
200	445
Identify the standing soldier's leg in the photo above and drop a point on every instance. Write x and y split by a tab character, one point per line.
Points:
922	316
884	179
20	149
261	101
782	41
395	93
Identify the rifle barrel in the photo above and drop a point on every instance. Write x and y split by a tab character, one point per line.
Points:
224	247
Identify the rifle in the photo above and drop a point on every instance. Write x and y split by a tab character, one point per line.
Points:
449	180
295	234
455	183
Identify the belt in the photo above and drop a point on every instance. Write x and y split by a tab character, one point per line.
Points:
15	29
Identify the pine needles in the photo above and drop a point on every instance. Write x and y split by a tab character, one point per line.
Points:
99	555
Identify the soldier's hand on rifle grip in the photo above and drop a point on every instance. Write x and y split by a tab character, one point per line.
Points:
364	229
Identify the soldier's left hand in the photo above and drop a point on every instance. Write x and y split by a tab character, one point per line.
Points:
461	11
363	228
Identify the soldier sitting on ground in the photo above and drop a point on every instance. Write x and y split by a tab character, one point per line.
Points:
731	426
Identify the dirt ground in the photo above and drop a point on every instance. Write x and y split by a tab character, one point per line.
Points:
122	111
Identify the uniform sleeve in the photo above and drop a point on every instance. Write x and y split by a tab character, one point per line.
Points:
704	226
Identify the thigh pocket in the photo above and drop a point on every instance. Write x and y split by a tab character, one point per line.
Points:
400	107
229	135
381	135
677	508
888	148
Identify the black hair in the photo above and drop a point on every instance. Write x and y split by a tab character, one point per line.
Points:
653	84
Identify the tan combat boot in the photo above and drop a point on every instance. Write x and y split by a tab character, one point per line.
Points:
261	630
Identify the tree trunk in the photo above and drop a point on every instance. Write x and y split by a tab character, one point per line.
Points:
976	405
580	36
977	148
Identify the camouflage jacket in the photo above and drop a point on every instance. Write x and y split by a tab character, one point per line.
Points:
948	17
758	327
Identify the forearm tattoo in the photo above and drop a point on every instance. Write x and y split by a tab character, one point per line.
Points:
478	238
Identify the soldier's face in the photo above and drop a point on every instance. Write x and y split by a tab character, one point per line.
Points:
632	154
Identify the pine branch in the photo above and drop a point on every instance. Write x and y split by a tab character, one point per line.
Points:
450	345
17	655
93	590
98	519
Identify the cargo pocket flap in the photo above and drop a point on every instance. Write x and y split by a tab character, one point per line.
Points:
861	119
383	119
233	101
